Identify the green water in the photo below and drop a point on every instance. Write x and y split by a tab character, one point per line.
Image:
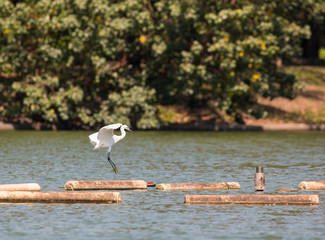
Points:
53	158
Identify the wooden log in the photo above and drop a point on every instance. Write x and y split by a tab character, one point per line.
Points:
201	186
312	185
20	187
59	197
286	189
106	185
252	199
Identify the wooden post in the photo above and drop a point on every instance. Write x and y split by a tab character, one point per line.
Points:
259	179
201	186
59	197
20	187
106	185
312	185
252	199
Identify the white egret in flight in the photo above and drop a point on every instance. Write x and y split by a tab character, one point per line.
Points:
105	138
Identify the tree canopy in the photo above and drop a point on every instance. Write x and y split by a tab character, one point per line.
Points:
91	62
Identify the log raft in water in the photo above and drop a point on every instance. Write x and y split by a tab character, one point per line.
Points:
59	197
312	185
198	186
106	185
20	187
252	199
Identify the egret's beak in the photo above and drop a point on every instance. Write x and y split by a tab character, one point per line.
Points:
129	130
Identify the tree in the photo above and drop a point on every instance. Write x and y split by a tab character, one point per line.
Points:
94	62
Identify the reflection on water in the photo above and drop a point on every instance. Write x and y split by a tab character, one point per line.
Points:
53	158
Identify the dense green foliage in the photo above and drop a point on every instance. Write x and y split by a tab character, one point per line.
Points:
90	62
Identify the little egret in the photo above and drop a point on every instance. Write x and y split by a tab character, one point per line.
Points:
105	138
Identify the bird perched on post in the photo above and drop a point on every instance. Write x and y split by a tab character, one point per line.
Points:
105	138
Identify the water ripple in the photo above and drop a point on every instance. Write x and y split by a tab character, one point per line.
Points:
53	158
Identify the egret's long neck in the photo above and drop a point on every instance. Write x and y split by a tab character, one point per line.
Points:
123	133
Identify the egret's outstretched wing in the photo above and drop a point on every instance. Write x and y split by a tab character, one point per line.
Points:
93	139
112	126
105	134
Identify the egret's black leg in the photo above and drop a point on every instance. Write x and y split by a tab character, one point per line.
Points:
112	164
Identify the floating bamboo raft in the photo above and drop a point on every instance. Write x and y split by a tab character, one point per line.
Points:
20	187
106	185
199	186
312	185
59	197
252	199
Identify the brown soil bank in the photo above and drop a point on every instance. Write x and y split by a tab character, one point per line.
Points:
203	127
305	112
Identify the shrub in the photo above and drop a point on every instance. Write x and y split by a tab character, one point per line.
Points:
95	62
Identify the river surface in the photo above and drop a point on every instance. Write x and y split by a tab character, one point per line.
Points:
53	158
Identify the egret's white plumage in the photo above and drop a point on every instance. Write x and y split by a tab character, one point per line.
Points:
105	138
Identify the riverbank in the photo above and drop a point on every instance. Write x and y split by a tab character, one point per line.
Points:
189	127
238	127
305	112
